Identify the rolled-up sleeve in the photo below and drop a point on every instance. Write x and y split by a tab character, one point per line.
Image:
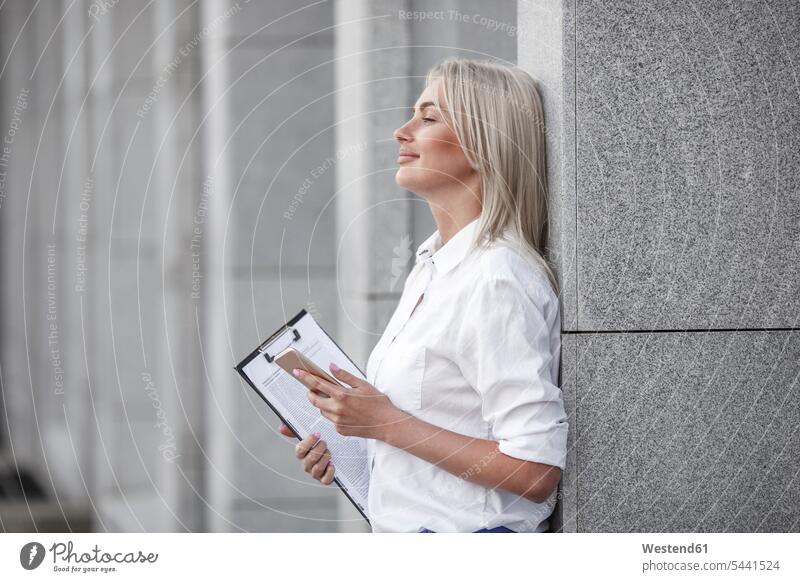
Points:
508	348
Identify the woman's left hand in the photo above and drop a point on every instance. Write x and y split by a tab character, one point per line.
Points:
361	410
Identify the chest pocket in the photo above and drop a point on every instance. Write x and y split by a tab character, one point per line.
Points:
400	377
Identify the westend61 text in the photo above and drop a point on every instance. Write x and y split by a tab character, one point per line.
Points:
670	549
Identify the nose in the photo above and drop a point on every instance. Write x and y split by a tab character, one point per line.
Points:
401	134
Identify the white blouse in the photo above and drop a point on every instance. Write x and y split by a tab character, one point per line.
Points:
478	356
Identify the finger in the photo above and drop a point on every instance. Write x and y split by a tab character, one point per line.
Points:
313	383
302	448
329	415
313	457
324	403
344	375
318	470
286	431
327	476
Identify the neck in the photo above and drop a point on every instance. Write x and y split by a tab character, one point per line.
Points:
452	217
448	225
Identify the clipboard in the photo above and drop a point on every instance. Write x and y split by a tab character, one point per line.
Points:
261	362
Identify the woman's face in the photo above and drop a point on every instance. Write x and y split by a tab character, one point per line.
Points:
431	160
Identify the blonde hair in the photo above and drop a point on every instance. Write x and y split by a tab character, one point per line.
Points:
500	127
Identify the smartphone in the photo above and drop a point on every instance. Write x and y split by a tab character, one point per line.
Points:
290	358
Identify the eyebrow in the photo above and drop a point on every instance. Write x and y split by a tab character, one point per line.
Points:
424	105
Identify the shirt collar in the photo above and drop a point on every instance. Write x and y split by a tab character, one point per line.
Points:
445	257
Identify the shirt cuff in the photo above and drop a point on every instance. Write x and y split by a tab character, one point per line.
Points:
550	449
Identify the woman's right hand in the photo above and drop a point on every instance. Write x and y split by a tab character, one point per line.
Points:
313	453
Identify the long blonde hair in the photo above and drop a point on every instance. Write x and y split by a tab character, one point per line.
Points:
500	127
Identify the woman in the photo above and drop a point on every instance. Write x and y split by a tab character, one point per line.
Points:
467	425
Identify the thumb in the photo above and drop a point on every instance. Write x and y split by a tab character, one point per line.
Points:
286	431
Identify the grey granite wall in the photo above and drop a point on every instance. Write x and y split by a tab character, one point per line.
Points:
672	144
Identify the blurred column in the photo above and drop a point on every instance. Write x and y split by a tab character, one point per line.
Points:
219	399
93	288
17	159
42	370
269	155
72	430
374	217
144	365
41	308
178	190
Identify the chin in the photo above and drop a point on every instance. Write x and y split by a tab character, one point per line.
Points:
404	180
401	180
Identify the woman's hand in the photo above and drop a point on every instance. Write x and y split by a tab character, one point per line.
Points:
313	454
286	431
361	410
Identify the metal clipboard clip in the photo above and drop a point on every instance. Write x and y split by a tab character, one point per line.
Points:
274	339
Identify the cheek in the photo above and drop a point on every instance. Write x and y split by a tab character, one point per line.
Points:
443	152
440	144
